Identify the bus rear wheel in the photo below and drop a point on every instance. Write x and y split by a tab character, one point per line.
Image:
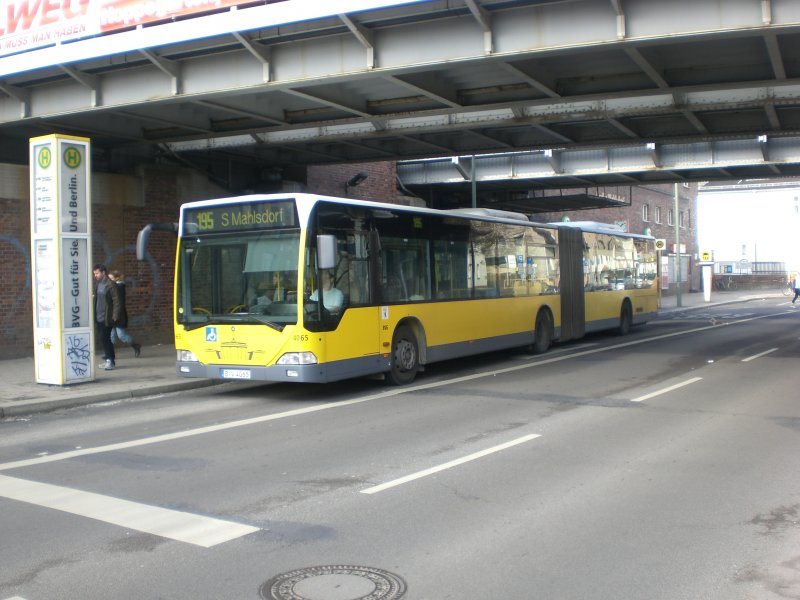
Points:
404	358
543	333
625	319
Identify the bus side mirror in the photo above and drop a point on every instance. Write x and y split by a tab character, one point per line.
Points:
326	251
144	236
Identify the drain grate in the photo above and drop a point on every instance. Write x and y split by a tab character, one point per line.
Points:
334	582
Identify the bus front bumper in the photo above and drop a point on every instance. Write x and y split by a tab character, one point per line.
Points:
316	373
298	373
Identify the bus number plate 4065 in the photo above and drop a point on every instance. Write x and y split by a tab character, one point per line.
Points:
235	373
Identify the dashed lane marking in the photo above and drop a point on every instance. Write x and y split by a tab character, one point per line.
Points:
759	355
448	465
343	403
666	389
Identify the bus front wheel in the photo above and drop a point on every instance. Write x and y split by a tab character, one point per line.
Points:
404	358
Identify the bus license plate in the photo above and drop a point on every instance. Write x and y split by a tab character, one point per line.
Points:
235	373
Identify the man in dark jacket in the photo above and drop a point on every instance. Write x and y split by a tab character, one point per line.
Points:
107	311
119	330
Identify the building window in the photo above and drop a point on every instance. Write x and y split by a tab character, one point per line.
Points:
682	219
645	212
658	214
670	217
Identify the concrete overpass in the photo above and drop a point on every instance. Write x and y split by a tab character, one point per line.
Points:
598	91
523	180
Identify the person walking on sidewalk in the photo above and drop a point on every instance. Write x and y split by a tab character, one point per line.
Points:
106	312
796	286
119	330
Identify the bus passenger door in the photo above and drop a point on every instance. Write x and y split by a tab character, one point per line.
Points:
350	329
358	329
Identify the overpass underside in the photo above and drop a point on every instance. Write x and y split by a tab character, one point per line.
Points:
569	92
572	179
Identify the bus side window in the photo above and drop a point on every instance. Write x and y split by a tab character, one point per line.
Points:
406	264
453	268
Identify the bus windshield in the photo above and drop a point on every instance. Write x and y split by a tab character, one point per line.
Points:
248	277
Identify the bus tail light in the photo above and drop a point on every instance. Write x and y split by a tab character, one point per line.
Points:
298	358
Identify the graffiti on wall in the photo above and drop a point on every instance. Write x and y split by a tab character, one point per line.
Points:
9	321
78	354
112	255
8	327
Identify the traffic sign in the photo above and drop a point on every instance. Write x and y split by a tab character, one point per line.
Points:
661	244
706	256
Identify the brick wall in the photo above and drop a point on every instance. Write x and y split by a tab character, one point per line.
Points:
16	319
121	206
330	180
655	197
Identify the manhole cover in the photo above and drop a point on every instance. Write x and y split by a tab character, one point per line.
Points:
334	582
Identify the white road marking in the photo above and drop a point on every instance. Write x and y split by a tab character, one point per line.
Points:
556	351
172	524
340	404
666	389
188	433
448	465
749	358
207	531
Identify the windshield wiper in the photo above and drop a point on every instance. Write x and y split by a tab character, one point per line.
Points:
260	319
235	318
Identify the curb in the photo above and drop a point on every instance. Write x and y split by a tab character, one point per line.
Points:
720	303
36	406
42	406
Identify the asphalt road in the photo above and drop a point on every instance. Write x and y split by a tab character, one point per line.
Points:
660	465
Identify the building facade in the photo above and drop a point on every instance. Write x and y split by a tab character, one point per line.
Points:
651	210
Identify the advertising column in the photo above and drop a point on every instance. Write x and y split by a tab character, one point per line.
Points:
63	338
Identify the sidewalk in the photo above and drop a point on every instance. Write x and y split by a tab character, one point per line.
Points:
154	372
151	374
695	300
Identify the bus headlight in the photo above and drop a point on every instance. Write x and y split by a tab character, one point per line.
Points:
187	356
298	358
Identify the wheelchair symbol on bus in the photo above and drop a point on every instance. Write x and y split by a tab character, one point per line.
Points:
211	334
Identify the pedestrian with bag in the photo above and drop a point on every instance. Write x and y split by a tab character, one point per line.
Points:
119	331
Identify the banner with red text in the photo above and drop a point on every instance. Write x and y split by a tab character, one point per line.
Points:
30	24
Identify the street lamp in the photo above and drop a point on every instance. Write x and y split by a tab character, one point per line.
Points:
355	180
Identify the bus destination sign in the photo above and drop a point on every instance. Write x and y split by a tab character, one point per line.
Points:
240	217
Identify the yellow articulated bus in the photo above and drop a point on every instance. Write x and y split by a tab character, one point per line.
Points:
306	288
